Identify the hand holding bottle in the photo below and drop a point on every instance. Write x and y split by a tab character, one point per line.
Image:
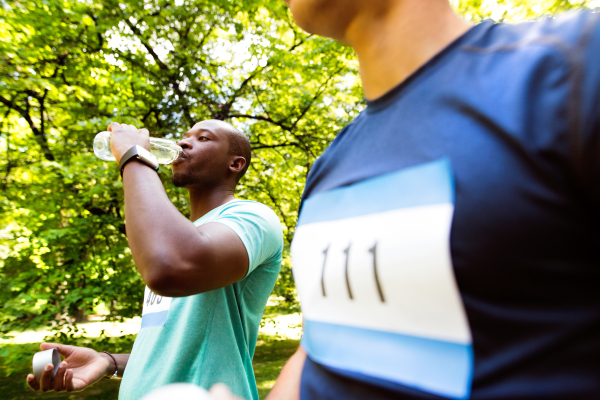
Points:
123	137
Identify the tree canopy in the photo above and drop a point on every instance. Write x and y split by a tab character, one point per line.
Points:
70	67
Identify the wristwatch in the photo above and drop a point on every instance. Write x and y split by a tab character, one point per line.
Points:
140	154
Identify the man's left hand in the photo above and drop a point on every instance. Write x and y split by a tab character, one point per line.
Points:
123	137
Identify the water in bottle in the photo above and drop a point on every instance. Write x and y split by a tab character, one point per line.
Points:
166	151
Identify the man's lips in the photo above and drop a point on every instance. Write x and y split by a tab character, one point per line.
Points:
181	158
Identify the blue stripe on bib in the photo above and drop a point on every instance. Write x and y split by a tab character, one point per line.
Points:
421	185
154	319
431	365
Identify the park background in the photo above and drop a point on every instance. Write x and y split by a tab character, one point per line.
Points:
68	68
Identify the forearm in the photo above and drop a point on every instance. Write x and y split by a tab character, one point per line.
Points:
287	386
156	231
121	360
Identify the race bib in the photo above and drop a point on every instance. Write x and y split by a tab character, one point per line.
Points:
156	309
374	275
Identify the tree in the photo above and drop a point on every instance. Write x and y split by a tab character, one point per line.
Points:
163	65
69	68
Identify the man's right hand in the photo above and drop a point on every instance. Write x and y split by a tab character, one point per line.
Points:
81	368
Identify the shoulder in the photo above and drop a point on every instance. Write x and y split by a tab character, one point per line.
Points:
549	65
249	208
253	215
258	227
564	33
569	43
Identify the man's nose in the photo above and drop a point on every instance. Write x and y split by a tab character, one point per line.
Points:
185	143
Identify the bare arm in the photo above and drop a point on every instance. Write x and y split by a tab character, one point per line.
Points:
174	257
81	368
287	386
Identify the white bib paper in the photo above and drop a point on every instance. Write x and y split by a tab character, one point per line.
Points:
156	309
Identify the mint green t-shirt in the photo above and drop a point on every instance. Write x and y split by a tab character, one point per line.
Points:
210	337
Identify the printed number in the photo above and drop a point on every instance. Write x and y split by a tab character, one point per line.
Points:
152	298
346	272
323	272
372	250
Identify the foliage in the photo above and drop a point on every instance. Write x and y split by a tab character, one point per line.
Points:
269	357
159	64
70	67
516	10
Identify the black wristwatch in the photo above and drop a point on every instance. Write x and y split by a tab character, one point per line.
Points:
140	154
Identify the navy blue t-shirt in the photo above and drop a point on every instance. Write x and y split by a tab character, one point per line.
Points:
448	241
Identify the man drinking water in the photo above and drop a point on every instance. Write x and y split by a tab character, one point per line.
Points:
208	279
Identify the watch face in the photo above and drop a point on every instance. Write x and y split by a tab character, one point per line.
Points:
146	156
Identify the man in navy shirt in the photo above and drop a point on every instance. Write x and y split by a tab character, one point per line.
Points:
448	240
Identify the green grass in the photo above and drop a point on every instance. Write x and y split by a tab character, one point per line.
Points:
270	356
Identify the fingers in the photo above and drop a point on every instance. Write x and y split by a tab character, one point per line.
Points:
63	349
113	127
46	379
60	376
116	126
32	383
69	380
126	127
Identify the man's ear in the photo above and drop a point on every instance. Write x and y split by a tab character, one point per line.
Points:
237	164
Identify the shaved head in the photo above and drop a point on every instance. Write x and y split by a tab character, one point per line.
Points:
239	145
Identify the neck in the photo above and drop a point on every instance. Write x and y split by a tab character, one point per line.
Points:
393	43
204	200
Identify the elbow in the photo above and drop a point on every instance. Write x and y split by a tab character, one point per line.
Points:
172	277
159	284
163	276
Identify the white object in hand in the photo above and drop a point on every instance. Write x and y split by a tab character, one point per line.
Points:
179	391
166	151
43	358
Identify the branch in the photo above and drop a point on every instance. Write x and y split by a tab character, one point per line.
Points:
274	146
8	161
163	67
149	48
283	216
224	113
98	33
299	43
39	134
262	118
315	97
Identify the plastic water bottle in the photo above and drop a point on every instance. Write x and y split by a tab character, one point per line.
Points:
166	151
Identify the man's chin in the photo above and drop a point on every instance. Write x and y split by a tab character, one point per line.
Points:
186	179
179	181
